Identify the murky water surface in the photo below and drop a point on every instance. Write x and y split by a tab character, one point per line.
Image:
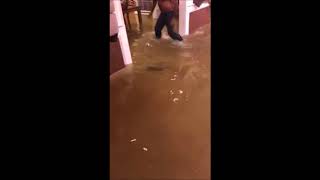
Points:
160	109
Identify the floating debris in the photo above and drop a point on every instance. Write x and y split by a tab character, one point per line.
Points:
171	92
174	77
133	140
175	100
180	91
145	149
148	45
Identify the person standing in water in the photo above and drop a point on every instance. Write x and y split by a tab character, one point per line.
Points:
169	9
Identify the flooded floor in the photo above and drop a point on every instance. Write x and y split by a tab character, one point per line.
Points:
160	108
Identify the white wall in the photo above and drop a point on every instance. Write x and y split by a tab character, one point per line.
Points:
123	37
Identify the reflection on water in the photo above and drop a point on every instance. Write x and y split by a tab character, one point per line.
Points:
160	110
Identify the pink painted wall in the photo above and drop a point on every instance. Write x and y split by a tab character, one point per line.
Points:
120	54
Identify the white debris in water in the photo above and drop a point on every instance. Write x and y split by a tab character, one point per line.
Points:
148	45
180	91
171	92
174	77
133	140
145	149
175	100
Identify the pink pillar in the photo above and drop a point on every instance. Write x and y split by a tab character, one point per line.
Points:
185	8
122	33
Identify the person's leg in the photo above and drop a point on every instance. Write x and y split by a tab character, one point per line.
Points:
171	32
159	25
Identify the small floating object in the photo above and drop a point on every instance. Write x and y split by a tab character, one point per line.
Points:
133	140
148	45
174	77
145	149
180	91
175	100
171	92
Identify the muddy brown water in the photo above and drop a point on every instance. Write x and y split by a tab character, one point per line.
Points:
160	109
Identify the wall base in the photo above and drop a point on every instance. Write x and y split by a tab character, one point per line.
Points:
116	59
199	18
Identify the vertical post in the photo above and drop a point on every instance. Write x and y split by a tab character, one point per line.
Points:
183	18
122	35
